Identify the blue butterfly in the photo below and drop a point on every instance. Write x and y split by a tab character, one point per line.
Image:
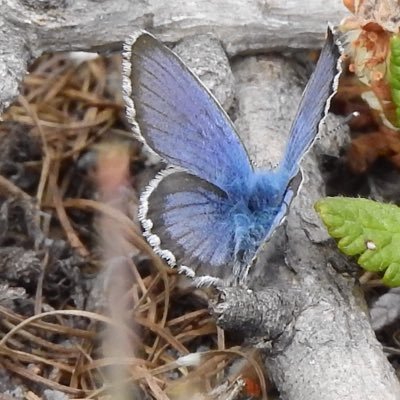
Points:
210	211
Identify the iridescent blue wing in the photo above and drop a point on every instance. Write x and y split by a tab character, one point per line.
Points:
312	109
313	106
189	222
178	117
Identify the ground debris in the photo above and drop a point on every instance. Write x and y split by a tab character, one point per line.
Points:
86	308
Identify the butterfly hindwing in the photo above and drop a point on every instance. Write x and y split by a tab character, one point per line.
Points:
188	222
178	118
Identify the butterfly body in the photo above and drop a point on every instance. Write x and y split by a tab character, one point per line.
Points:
209	213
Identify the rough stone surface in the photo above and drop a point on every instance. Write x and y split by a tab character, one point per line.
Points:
265	111
332	333
207	59
29	28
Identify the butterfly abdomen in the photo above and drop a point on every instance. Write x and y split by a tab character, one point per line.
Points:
251	228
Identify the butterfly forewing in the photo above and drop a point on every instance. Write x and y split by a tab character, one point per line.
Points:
179	119
313	106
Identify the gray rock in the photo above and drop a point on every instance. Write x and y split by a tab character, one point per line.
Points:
207	59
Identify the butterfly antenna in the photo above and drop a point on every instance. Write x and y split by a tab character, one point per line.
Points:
344	122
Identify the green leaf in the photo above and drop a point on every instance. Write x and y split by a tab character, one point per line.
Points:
368	229
394	76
